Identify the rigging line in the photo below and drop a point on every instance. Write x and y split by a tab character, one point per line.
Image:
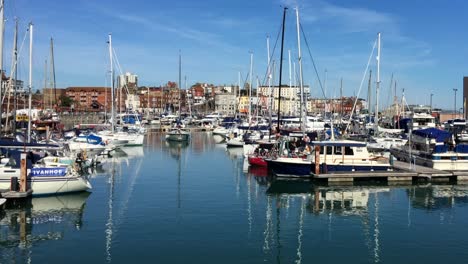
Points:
245	81
390	93
119	68
265	78
313	62
15	64
362	81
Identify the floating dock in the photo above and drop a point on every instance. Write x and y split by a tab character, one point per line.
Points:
402	172
16	194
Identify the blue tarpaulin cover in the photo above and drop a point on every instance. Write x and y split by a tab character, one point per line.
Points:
437	134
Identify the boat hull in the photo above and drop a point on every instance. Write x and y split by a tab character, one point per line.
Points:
290	167
49	185
444	162
257	161
327	168
178	137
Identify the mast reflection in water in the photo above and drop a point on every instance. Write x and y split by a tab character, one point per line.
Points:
27	224
202	203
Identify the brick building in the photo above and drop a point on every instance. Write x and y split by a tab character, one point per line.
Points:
51	97
89	98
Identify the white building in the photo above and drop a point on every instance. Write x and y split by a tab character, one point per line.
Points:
128	80
225	103
290	97
132	102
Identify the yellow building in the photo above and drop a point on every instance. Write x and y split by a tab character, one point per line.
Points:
243	104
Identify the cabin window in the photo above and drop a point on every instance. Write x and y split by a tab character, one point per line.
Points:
338	150
349	151
329	150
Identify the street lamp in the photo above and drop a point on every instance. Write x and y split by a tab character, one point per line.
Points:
455	102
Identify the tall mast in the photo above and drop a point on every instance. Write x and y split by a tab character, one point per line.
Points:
45	85
376	118
295	86
180	70
258	101
291	92
52	65
30	79
301	82
239	91
397	107
341	100
325	84
2	31
270	91
369	93
180	79
250	86
112	83
281	68
13	83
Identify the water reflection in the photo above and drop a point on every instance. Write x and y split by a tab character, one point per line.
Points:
436	197
334	203
326	203
235	153
24	224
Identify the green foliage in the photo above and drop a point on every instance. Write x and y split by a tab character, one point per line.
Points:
65	101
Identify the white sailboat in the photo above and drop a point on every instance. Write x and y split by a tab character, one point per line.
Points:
384	138
132	138
42	179
178	133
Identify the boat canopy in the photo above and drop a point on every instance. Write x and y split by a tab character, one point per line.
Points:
437	134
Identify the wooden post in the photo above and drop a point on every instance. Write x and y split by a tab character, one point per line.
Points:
317	201
47	133
23	172
317	160
22	227
342	154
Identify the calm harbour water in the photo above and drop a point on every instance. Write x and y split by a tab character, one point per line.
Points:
200	203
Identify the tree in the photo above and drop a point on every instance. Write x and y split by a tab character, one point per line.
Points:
65	101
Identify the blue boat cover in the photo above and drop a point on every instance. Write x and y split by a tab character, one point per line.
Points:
461	148
93	139
335	131
440	149
437	134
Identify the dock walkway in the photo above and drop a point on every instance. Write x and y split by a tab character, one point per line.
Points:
403	171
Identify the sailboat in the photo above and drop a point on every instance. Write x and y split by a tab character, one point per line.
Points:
384	138
112	136
178	133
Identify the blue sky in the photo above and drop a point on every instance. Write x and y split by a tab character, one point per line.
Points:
423	42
